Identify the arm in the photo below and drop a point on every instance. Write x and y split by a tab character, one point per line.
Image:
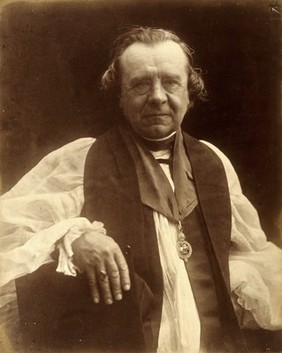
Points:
41	209
42	212
255	263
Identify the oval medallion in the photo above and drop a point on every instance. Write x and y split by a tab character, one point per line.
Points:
184	250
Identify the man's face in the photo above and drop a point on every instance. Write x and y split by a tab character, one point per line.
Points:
154	94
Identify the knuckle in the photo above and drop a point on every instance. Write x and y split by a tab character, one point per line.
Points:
115	274
107	295
92	283
106	252
110	250
89	262
123	267
111	265
104	282
114	245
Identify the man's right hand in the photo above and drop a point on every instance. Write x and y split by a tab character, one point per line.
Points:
102	260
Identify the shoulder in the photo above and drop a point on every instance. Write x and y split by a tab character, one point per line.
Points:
232	177
68	159
61	168
75	148
208	150
205	146
210	155
226	162
70	156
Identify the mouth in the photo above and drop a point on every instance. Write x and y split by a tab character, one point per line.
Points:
151	120
157	118
152	115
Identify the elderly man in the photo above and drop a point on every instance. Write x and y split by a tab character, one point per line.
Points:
154	218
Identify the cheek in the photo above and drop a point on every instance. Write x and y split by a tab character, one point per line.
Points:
132	105
180	103
185	102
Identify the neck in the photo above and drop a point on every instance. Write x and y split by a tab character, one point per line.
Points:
159	144
160	139
163	143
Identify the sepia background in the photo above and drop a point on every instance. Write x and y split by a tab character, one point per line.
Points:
53	54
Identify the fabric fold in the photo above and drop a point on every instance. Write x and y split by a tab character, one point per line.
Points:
26	243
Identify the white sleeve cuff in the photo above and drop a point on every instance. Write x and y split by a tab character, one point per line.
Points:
256	281
65	261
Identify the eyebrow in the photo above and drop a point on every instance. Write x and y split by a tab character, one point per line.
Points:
173	76
145	76
139	77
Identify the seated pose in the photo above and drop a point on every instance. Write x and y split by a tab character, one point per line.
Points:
151	219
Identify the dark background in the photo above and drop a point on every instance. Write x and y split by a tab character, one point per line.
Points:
53	55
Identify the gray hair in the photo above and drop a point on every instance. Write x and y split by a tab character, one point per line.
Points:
111	79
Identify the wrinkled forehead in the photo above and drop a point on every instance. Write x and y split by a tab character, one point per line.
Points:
139	56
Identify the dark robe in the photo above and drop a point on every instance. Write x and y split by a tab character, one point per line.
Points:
112	196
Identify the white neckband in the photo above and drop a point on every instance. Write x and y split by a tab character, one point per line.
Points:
161	139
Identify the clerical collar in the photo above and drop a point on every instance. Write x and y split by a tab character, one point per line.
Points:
159	144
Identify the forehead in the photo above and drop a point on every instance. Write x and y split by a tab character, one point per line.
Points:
162	56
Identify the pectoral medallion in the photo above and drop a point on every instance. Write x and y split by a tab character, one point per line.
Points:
184	248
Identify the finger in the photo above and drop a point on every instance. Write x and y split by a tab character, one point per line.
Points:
123	270
104	284
114	276
92	281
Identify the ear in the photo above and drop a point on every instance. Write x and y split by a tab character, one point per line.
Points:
190	105
188	100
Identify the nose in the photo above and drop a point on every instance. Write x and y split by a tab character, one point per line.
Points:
157	94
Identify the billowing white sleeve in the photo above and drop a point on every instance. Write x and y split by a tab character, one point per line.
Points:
255	263
42	208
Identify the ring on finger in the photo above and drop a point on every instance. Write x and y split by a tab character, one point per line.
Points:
103	275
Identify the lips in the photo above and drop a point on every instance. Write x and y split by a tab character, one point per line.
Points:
156	119
156	115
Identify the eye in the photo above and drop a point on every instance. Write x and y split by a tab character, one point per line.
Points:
170	84
142	87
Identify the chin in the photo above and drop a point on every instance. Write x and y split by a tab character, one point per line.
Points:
156	132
